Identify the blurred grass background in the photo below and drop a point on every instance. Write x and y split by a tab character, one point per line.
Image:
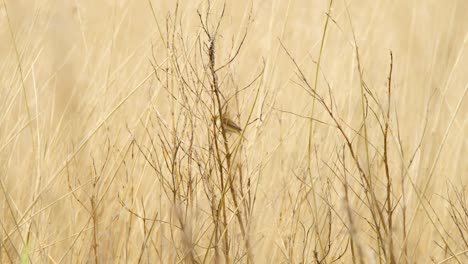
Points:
77	88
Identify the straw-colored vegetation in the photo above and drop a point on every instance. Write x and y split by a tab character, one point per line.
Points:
233	131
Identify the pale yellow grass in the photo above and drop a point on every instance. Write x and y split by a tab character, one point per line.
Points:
82	114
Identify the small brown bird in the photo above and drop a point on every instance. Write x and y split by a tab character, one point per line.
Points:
229	125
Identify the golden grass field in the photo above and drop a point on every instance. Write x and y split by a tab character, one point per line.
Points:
353	146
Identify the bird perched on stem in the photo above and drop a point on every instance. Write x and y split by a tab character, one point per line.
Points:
229	125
